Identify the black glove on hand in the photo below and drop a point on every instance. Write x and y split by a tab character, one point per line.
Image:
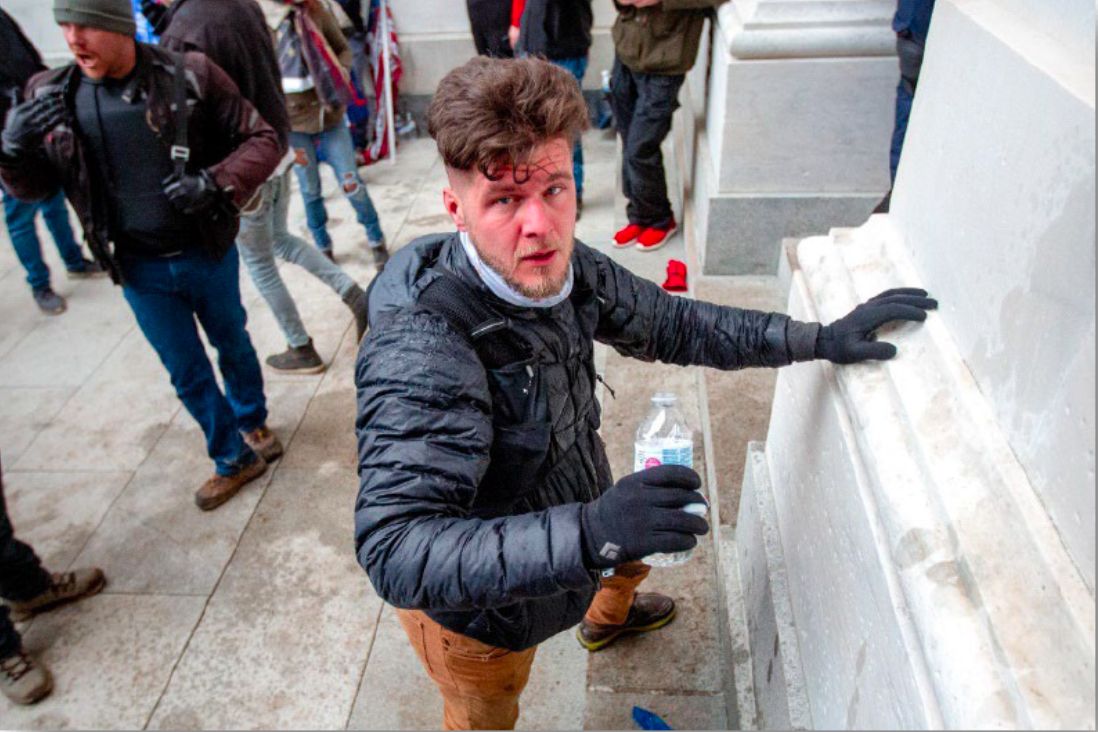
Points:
851	339
641	515
155	13
28	123
191	194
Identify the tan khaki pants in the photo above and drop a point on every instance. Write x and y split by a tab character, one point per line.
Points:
481	684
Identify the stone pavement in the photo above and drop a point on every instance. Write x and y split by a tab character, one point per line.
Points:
257	615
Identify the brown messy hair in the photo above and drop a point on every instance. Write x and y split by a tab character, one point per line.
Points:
489	114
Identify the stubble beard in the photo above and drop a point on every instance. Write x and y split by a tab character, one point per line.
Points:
545	285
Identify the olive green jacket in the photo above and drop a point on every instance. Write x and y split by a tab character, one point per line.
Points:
661	39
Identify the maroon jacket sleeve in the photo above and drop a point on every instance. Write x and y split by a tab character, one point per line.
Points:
257	149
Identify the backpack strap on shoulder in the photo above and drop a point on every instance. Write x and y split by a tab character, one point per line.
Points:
181	153
491	334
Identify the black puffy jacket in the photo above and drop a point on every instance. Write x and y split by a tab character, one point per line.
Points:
471	481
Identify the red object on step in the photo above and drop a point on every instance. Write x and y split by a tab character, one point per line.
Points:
676	276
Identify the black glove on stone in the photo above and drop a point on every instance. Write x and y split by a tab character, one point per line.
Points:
641	515
28	122
156	14
191	194
851	339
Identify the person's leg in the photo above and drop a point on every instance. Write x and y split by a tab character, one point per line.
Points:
307	169
19	217
21	574
339	151
618	609
480	684
657	100
296	250
56	215
615	597
623	100
165	315
215	291
910	55
578	68
256	242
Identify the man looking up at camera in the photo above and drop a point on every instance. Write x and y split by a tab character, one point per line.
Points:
487	512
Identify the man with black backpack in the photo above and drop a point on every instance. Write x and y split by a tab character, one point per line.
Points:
487	512
155	152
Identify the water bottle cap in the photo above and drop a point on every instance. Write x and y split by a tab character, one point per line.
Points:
665	398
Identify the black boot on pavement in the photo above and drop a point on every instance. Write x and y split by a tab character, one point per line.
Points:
297	360
90	269
356	300
49	301
650	611
24	680
64	587
381	255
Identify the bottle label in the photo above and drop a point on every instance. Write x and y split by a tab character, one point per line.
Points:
669	453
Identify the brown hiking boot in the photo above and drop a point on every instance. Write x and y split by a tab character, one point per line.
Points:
64	587
650	611
23	680
221	488
264	443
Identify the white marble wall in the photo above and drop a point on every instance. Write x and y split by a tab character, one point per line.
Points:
933	516
798	127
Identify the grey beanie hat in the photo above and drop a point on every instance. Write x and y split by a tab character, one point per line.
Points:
109	15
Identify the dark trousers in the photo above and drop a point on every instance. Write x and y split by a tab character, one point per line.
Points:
21	577
643	106
168	294
490	20
910	53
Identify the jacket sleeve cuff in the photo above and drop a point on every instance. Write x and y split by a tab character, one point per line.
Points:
800	339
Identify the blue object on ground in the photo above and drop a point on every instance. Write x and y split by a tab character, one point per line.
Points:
645	719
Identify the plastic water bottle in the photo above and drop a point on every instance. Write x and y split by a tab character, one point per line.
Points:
664	438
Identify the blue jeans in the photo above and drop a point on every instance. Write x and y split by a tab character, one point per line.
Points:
167	294
337	149
263	236
20	219
578	67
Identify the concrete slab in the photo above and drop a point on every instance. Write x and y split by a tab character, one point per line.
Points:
614	710
271	663
280	555
110	655
154	538
326	436
395	692
56	513
27	411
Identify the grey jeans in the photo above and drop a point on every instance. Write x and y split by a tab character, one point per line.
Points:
263	236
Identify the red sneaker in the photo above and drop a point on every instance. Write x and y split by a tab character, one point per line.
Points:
652	239
627	236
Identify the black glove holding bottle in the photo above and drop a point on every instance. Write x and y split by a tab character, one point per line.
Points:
641	515
28	122
192	194
852	338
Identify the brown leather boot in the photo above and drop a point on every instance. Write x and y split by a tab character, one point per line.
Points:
650	611
64	587
221	488
264	443
24	680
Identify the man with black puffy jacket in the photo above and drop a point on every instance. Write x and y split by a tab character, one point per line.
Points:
487	512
